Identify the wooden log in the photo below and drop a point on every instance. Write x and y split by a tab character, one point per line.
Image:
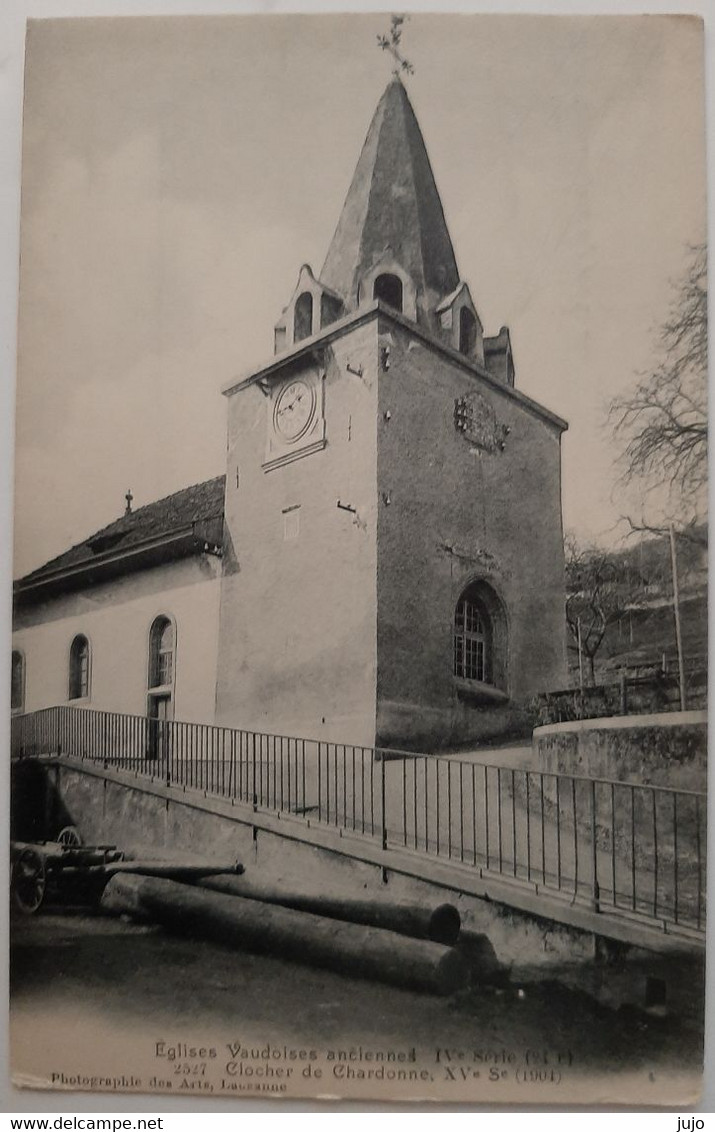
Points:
46	849
440	924
88	858
172	870
481	959
268	929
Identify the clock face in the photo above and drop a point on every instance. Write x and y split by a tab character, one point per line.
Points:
294	410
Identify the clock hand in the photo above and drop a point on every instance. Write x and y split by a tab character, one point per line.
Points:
287	408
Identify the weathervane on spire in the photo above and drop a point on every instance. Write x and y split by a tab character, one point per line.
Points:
391	43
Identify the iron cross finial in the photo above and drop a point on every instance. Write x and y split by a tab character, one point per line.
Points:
129	497
391	43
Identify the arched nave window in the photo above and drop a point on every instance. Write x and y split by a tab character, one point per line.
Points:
79	668
17	682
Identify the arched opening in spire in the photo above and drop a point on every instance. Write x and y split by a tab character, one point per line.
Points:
303	317
388	289
467	332
330	309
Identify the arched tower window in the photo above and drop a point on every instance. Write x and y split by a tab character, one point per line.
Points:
79	668
17	682
303	317
467	331
388	289
480	637
161	653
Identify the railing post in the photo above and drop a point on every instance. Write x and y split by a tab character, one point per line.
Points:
255	794
624	693
594	848
232	767
382	802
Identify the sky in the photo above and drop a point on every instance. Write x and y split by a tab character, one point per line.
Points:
177	173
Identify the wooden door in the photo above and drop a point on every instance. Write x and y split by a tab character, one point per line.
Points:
159	716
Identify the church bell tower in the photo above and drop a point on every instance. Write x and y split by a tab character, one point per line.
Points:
394	561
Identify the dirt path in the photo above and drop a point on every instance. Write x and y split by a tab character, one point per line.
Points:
157	986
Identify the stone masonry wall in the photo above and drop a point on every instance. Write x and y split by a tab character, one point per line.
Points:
457	513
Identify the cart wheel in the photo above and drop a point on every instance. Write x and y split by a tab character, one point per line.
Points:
69	836
28	881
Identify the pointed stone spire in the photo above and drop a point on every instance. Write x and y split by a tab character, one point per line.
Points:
392	213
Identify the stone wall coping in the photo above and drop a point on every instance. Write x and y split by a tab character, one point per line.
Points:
624	722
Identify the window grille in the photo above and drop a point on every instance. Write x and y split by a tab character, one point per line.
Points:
291	522
470	642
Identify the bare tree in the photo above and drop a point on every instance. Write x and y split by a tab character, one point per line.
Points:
591	602
599	585
663	421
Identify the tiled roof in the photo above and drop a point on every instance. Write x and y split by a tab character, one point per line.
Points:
164	517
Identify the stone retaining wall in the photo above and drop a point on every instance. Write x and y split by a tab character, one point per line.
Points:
664	749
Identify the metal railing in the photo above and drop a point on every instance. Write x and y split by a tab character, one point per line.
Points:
617	847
